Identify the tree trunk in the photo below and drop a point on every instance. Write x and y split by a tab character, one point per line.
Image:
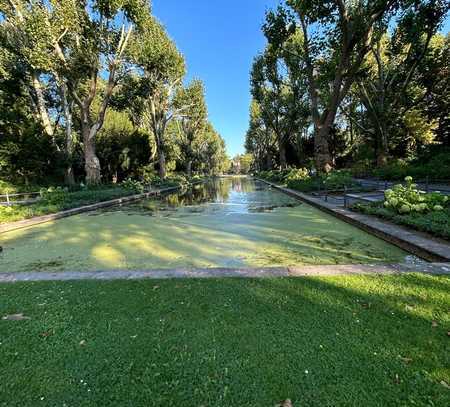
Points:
352	136
91	165
324	162
159	129
298	147
91	161
383	152
268	162
282	154
69	178
382	158
162	163
40	104
67	108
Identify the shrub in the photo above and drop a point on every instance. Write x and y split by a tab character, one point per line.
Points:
395	170
148	175
133	185
305	185
361	168
434	167
284	176
297	174
405	199
271	175
11	188
54	196
338	179
175	180
7	188
300	179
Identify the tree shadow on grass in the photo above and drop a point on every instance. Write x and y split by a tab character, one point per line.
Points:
367	341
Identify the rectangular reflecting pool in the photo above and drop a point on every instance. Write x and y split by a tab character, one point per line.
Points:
227	222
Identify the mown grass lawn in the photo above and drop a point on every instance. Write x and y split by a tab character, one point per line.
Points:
341	341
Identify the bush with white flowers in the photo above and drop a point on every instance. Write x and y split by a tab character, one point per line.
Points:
407	198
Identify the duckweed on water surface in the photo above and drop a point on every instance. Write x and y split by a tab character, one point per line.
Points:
231	222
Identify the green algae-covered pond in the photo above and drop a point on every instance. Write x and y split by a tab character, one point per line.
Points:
228	222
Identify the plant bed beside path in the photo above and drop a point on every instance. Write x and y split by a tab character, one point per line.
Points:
407	205
434	223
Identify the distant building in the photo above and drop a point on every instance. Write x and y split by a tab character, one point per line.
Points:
235	165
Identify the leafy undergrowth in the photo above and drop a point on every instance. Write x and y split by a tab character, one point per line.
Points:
72	200
341	341
436	223
300	179
433	163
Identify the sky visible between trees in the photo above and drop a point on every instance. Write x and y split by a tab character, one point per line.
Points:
219	41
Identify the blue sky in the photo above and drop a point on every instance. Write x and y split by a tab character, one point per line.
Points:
219	40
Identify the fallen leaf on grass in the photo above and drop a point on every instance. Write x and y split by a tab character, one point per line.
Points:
46	334
82	343
406	360
396	379
155	287
15	317
285	403
434	324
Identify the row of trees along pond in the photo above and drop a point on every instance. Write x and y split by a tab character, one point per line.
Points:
95	88
350	83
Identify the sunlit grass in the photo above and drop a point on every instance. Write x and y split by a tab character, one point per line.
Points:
341	341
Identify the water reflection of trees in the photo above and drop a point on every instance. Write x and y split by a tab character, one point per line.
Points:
216	190
254	196
243	185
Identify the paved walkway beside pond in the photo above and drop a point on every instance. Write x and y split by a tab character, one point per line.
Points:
300	271
374	191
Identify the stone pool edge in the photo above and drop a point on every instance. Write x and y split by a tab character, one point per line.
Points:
425	248
265	272
10	226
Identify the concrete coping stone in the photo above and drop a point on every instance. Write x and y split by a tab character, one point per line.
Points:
265	272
